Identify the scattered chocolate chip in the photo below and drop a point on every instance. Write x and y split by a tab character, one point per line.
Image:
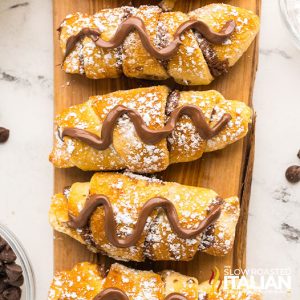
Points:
292	174
4	134
298	154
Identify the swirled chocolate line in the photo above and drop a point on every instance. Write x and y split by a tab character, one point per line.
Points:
117	294
148	136
134	23
110	226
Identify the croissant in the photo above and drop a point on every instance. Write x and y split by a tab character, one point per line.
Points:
86	282
145	130
132	217
148	43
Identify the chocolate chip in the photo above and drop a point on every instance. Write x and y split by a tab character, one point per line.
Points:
2	268
3	243
4	134
12	293
7	255
14	274
292	174
18	282
3	285
298	154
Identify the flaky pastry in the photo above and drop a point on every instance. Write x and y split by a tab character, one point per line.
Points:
133	217
137	42
85	282
145	130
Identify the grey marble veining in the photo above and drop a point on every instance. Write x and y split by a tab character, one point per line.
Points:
274	223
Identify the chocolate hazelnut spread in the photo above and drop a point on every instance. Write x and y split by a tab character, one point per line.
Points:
148	136
216	66
117	294
135	23
95	201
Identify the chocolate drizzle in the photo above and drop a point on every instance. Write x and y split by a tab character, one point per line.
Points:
111	294
95	201
148	136
117	294
175	296
135	23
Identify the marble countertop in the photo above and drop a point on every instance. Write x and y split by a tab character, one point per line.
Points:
26	108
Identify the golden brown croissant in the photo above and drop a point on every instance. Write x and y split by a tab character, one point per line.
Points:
146	129
145	42
132	217
86	282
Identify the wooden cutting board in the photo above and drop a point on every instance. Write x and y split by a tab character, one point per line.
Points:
228	171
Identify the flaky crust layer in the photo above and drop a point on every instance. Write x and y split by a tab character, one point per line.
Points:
127	151
188	66
127	194
85	281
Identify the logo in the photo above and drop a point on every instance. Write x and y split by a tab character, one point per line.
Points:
259	279
214	280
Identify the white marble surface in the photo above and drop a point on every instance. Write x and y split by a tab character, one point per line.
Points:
26	108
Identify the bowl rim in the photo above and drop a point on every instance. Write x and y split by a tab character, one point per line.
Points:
290	26
15	244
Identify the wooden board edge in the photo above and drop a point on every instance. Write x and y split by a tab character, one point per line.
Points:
240	245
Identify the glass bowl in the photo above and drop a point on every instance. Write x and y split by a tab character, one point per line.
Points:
28	288
290	11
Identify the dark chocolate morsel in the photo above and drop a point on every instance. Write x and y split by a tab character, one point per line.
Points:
14	274
7	255
298	154
12	293
4	134
2	268
18	282
3	285
3	243
292	174
13	270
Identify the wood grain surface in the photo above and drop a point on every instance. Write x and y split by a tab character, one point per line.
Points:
228	171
